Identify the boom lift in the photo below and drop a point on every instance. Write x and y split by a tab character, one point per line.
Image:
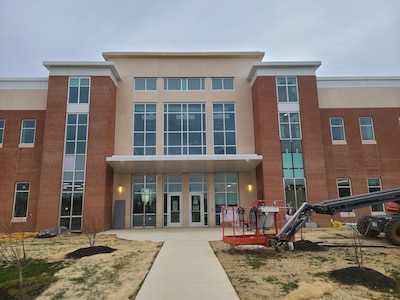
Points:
367	225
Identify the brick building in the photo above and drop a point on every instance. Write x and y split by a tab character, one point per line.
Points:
167	139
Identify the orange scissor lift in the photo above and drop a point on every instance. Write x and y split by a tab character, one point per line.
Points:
252	225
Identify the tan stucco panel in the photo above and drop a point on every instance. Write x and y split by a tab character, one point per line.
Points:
359	97
23	99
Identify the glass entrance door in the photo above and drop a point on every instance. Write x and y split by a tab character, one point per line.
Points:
196	211
174	207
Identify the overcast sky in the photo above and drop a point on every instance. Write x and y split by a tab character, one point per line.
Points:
349	37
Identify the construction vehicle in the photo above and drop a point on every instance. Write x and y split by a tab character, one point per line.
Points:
369	226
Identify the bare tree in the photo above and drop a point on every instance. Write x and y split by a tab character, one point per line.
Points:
355	246
13	250
91	229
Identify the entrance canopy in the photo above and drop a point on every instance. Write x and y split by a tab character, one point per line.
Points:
184	163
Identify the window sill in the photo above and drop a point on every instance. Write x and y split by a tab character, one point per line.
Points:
347	214
26	145
339	142
368	142
378	213
18	220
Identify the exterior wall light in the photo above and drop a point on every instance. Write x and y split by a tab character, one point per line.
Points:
120	189
249	187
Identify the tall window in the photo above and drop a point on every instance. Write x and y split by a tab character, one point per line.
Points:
74	171
28	131
144	200
287	89
145	84
344	190
289	125
367	129
224	128
184	84
2	123
144	129
184	129
21	199
222	83
78	90
295	192
337	129
226	192
292	158
374	185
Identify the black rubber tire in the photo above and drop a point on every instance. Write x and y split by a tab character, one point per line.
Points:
363	227
392	232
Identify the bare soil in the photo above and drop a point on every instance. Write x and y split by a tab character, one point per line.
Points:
322	266
113	269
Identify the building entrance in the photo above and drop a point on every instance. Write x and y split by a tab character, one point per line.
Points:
174	210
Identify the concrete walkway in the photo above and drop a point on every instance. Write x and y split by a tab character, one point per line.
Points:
185	268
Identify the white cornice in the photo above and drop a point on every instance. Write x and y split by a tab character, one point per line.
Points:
283	68
355	82
81	68
23	83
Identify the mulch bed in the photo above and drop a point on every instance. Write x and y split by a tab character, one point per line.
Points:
363	276
305	245
89	251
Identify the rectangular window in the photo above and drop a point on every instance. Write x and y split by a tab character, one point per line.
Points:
144	200
184	84
224	121
374	185
78	90
28	131
344	190
21	199
295	192
2	123
289	125
337	129
145	84
287	89
226	192
222	83
367	129
144	129
74	169
184	129
292	159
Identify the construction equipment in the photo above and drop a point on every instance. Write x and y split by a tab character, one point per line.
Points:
369	226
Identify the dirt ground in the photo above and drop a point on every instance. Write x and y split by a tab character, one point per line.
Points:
262	273
116	275
255	272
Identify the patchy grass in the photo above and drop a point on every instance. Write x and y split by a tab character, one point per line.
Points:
37	276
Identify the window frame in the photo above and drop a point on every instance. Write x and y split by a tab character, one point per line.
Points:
350	213
223	83
228	188
17	192
371	126
286	85
24	129
146	83
289	123
375	188
147	149
226	147
341	126
184	83
2	129
80	87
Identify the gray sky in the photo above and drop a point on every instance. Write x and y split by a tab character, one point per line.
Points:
349	37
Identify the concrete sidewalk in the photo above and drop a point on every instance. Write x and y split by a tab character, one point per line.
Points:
185	268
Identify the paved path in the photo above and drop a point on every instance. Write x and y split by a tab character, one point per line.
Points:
185	268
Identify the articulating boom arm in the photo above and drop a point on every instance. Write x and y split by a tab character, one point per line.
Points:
330	207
